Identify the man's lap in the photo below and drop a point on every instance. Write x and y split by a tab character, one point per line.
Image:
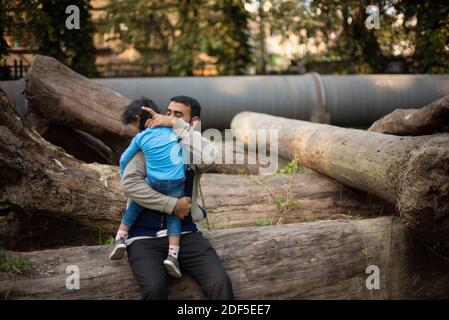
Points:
196	256
193	245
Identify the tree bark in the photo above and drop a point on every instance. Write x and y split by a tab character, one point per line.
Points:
85	115
236	201
69	99
39	178
430	119
317	260
410	172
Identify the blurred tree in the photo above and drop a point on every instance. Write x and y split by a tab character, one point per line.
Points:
183	30
356	42
428	23
145	24
405	27
4	72
42	23
190	38
3	45
230	40
341	24
261	37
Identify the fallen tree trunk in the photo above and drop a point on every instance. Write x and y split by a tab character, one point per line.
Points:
235	201
69	99
432	118
319	260
410	172
84	117
39	178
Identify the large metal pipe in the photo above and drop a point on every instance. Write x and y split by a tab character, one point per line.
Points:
13	90
349	100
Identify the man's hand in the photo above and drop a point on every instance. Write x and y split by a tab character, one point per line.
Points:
158	120
182	207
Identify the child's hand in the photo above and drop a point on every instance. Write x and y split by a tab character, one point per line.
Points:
158	120
182	207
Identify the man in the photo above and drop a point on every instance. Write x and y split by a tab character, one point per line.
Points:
147	243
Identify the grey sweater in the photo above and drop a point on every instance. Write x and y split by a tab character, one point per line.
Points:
136	189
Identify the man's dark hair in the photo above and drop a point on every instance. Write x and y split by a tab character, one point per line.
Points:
135	109
194	105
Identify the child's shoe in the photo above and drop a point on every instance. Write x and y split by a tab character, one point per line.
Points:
172	266
118	249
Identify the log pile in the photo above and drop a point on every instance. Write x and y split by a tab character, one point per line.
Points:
82	116
412	173
66	98
59	186
317	260
281	252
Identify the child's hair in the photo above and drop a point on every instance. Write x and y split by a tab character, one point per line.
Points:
135	109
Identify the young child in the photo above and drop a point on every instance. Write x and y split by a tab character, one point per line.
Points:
165	173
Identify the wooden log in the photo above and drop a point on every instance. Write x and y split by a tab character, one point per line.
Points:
223	165
429	119
410	172
235	201
318	260
39	178
69	99
73	103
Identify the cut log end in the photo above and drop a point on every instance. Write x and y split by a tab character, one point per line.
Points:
423	200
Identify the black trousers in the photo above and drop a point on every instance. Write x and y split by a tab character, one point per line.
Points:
196	257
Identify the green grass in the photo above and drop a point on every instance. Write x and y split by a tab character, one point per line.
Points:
277	201
14	264
367	257
288	203
262	223
109	240
293	167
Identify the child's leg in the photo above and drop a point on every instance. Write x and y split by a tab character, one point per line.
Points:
129	217
173	188
174	235
122	232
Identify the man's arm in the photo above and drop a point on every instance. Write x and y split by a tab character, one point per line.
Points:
196	144
135	188
192	141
